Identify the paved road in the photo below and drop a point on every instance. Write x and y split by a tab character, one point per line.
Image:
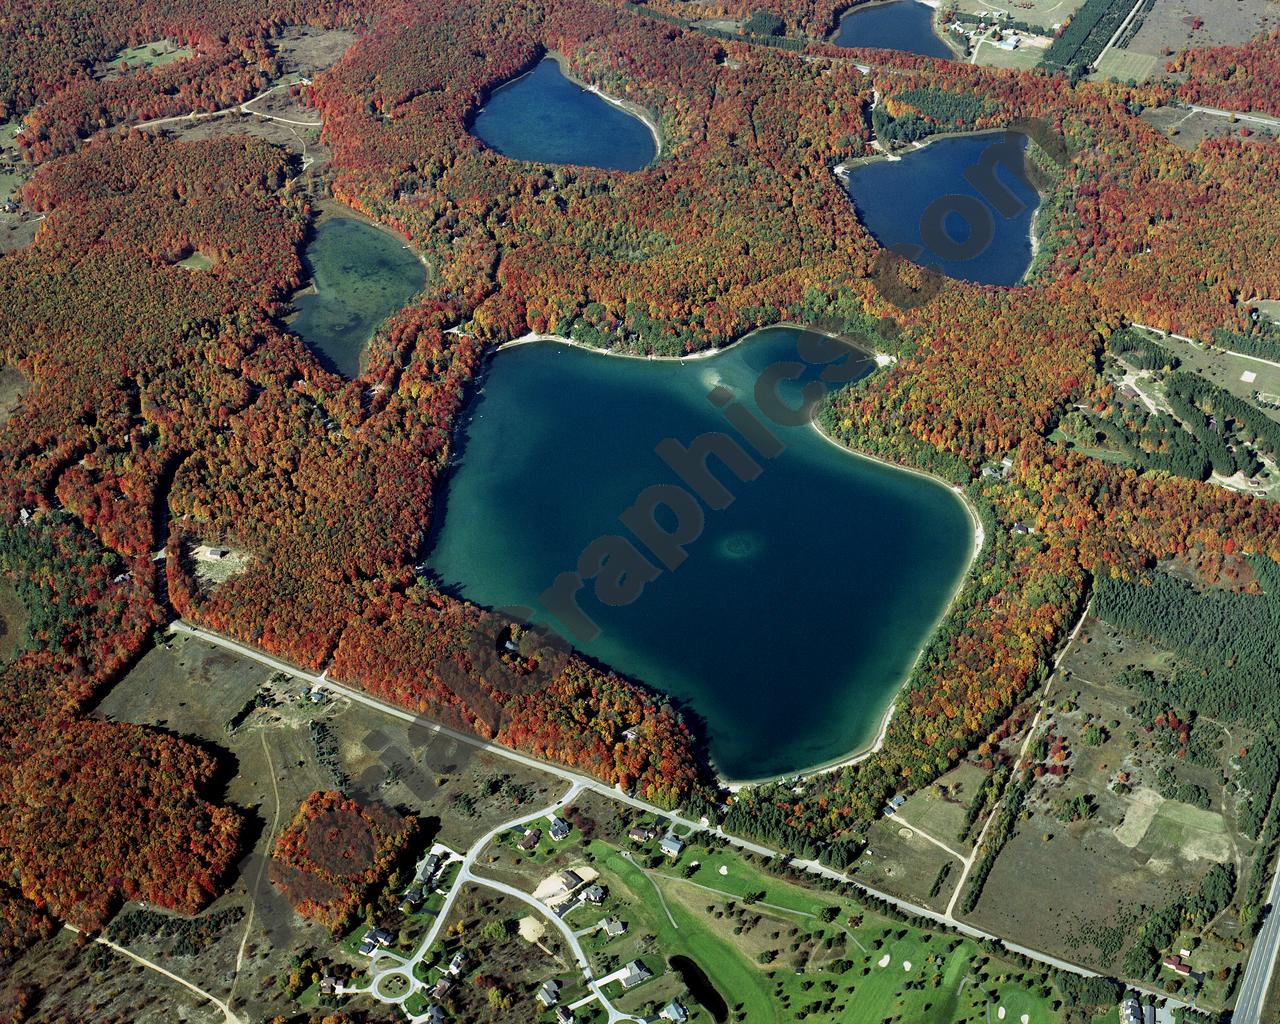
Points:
1262	963
1263	119
1117	34
586	783
387	965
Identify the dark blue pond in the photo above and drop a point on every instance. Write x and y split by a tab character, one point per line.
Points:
902	25
802	603
546	118
985	232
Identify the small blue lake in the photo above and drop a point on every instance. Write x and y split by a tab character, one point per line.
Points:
545	117
905	25
903	202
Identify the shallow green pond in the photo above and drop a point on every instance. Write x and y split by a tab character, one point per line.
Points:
361	275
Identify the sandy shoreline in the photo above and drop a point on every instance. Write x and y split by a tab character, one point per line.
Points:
881	358
865	750
841	173
626	106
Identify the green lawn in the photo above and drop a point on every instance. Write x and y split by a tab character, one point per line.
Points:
196	261
927	978
151	55
739	982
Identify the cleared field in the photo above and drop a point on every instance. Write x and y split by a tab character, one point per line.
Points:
196	261
13	622
1043	13
13	385
942	808
17	231
1171	24
1186	129
306	50
1181	831
1075	884
1127	65
282	749
10	182
1270	308
144	56
1244	376
1024	58
899	861
70	976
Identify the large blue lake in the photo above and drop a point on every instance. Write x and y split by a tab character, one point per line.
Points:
545	117
905	25
801	605
902	202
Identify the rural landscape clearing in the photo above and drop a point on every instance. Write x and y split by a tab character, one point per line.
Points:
598	511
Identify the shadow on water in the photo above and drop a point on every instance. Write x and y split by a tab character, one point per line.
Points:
903	25
700	988
899	201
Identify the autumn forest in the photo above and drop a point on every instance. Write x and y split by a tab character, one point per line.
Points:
165	409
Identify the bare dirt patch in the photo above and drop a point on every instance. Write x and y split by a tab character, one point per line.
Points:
1143	806
13	385
1171	25
306	51
214	565
1186	129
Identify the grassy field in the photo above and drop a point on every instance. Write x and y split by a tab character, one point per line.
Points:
1024	58
10	182
1088	879
1171	24
13	622
196	261
1270	308
145	56
1229	371
899	861
1126	65
765	945
1044	13
678	931
940	809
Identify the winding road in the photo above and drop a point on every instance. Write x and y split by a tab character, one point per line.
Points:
227	1012
389	966
586	784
